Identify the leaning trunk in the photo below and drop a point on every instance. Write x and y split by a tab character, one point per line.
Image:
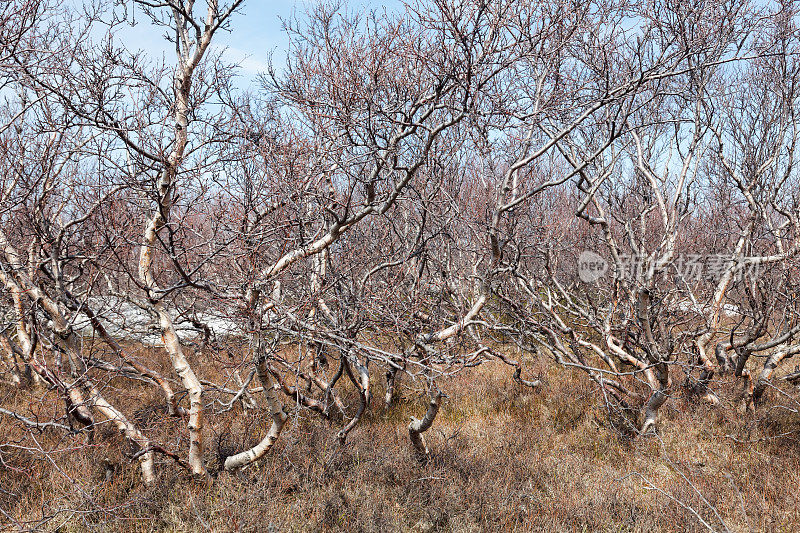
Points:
419	426
279	417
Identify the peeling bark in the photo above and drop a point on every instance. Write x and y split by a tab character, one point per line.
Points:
193	386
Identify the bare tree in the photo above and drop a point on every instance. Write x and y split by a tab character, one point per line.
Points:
409	196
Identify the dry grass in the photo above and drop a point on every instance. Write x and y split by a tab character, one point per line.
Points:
504	459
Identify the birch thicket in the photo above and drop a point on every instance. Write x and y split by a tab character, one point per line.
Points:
405	200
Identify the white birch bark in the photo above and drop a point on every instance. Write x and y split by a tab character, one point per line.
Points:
190	53
248	457
419	426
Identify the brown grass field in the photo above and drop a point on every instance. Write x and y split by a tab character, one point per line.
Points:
504	458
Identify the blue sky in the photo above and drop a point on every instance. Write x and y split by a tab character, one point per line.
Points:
256	32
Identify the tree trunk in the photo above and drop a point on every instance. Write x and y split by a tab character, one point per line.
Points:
279	417
419	426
